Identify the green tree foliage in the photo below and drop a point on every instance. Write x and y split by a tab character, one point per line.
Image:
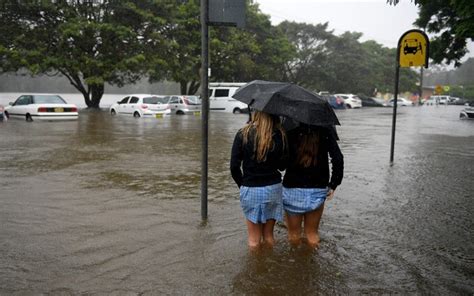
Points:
342	63
89	42
311	53
184	53
451	22
259	51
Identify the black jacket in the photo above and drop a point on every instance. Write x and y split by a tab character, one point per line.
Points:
297	176
256	174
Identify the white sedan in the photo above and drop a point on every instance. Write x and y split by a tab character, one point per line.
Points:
42	107
351	101
400	102
141	105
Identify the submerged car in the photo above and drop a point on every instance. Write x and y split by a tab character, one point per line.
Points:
335	101
371	102
181	105
350	100
400	102
141	105
468	112
42	107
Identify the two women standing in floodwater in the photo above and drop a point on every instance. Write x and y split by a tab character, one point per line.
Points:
260	152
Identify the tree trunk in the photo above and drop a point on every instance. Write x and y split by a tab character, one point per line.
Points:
183	87
193	87
97	91
190	89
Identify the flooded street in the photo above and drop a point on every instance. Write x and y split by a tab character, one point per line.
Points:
111	205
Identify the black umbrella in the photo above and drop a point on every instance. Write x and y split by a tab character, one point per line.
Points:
287	99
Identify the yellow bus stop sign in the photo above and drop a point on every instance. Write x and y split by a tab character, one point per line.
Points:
413	49
438	89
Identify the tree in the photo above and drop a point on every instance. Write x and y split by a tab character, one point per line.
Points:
311	52
259	51
184	53
452	22
89	42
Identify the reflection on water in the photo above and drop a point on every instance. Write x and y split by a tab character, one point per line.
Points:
110	205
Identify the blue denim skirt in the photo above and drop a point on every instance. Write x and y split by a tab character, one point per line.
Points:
297	201
260	204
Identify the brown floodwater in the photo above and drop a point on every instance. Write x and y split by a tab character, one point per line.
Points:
111	205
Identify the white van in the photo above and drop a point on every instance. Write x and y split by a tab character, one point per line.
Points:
220	97
442	100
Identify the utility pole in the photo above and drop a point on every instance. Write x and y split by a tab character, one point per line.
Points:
205	104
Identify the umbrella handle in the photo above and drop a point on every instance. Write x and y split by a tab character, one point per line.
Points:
250	114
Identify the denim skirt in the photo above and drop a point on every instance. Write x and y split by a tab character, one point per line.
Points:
297	201
260	204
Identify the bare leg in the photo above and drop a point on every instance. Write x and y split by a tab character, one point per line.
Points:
268	233
254	235
311	226
294	229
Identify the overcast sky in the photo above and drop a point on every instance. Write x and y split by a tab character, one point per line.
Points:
376	19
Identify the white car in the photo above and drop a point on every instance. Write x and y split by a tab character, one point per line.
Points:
141	105
184	104
351	101
400	102
41	107
467	113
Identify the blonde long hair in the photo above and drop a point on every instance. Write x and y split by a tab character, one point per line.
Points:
264	124
307	151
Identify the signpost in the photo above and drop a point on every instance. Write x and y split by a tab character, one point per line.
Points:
412	51
215	13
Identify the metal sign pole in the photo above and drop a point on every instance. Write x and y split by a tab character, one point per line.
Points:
205	103
394	117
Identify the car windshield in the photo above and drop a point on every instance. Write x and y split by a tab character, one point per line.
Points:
154	100
46	99
192	100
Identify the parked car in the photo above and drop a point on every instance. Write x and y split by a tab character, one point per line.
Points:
457	101
400	102
220	97
181	105
370	102
42	107
335	101
141	105
351	101
441	100
468	112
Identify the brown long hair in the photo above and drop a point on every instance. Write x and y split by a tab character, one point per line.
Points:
264	124
308	146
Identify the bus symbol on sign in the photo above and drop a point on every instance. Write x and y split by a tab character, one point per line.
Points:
413	49
412	46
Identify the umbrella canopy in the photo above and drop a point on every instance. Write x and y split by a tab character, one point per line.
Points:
287	99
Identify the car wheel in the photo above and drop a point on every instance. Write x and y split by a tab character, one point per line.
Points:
237	111
112	112
348	106
28	118
136	115
179	112
7	115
